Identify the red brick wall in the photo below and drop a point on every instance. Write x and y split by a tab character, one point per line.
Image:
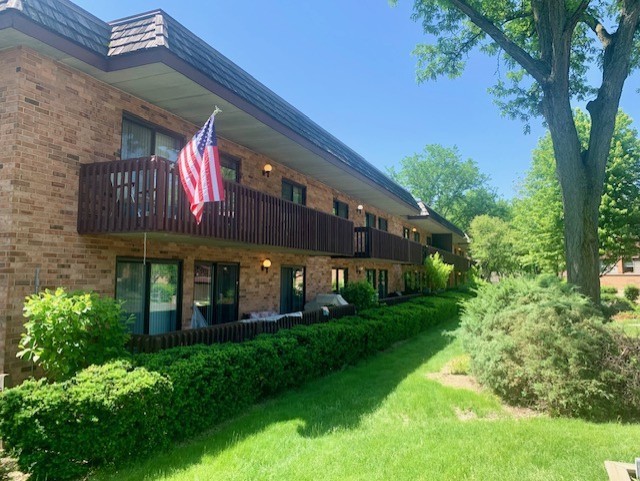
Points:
55	118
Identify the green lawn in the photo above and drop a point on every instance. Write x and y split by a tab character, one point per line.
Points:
384	419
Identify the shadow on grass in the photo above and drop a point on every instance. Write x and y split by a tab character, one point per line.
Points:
332	403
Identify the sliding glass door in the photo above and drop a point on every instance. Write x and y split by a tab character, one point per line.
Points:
216	292
292	289
151	292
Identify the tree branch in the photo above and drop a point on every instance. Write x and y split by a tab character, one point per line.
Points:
537	69
596	26
577	14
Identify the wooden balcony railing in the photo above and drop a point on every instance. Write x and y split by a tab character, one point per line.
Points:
378	244
145	195
461	264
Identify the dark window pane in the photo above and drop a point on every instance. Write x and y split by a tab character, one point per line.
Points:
371	277
382	224
338	279
163	305
203	284
383	276
227	293
167	146
416	236
369	220
340	209
292	289
136	140
131	288
230	168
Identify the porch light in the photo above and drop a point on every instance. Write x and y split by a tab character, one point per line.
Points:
414	230
266	170
360	208
265	265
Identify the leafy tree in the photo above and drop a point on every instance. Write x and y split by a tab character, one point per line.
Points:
538	215
548	48
492	246
454	187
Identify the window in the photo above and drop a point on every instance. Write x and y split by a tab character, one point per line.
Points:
429	241
627	267
339	279
151	292
371	277
416	237
382	224
383	280
340	209
230	168
215	293
369	220
296	193
292	289
405	232
140	139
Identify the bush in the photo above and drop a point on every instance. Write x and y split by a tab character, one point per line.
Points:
631	292
438	272
68	332
179	392
103	415
612	305
361	294
608	290
540	343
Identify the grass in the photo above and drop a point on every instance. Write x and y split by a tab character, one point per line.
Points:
384	419
629	322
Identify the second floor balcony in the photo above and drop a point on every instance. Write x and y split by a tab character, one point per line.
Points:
145	195
378	244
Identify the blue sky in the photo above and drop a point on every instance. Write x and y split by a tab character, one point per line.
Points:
350	69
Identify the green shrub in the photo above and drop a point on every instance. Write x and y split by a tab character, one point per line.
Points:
361	294
68	332
179	392
631	292
539	343
103	415
608	290
438	272
612	304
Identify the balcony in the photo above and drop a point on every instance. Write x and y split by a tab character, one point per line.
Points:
377	244
461	264
145	195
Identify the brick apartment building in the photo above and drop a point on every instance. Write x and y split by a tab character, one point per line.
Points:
92	116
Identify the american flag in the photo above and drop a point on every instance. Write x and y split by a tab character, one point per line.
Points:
199	167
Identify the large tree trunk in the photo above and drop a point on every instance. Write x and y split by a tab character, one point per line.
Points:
581	194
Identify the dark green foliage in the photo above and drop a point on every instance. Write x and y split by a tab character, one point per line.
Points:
631	292
103	415
108	414
613	304
68	332
539	343
361	294
608	290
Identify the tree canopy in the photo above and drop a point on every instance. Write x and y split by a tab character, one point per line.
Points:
547	48
538	212
492	246
453	187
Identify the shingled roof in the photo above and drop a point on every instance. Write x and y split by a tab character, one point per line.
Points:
156	29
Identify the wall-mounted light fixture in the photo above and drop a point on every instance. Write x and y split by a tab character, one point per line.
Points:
266	170
359	269
414	230
360	208
265	265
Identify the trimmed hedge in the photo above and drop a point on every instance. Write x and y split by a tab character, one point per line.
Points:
118	411
103	415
